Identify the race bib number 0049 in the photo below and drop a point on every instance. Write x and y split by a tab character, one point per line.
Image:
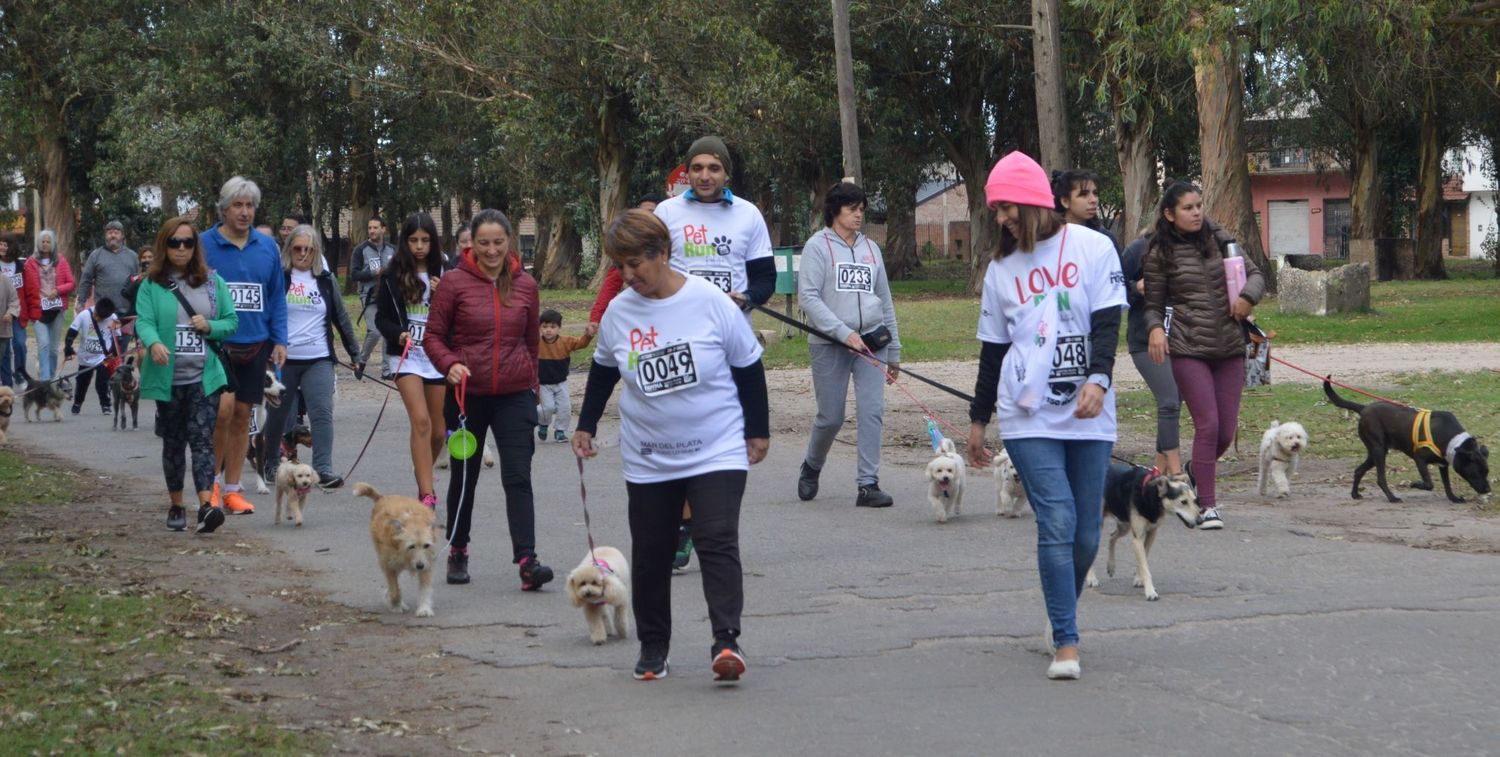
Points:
1070	360
720	279
247	297
855	277
669	369
189	341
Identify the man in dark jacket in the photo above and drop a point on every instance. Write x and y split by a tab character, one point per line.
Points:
365	265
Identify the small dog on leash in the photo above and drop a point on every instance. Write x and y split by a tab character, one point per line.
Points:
405	540
7	404
600	583
1280	448
945	482
45	395
1137	498
489	457
293	482
1010	494
125	391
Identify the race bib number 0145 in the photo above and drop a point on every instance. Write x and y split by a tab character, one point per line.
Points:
855	277
669	369
247	297
189	341
720	279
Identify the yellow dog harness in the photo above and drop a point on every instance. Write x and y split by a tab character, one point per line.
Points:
1421	434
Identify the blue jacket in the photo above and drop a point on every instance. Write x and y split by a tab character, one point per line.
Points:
251	273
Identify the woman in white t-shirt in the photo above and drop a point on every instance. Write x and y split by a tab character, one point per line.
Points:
694	416
403	297
314	308
1049	325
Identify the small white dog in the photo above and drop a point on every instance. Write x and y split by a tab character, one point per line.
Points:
945	477
293	482
1280	448
1009	493
600	582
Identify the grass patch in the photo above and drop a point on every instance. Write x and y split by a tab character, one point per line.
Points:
21	483
1470	396
1462	310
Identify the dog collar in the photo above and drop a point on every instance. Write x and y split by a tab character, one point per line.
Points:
1454	444
604	566
1151	475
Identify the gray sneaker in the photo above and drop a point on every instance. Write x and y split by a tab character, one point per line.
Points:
1210	520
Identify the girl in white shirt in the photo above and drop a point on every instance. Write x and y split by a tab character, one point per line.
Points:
96	326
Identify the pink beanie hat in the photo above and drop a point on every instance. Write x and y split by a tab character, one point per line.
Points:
1019	179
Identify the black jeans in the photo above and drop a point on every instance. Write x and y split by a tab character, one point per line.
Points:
511	417
655	514
101	386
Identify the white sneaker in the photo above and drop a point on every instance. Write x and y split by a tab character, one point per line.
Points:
1064	670
1210	520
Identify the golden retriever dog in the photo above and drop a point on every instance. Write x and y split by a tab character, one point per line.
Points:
293	482
600	582
7	404
406	539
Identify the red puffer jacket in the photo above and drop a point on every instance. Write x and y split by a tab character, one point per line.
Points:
468	324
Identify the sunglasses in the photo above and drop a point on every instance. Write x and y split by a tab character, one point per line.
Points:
181	243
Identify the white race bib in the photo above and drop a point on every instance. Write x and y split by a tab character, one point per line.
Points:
374	264
52	303
718	278
416	326
246	297
855	277
1070	359
16	280
189	340
93	345
666	370
255	421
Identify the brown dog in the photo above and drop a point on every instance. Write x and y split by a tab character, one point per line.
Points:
7	404
405	539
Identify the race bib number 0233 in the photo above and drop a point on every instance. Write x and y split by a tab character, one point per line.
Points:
669	369
247	297
189	341
720	279
855	277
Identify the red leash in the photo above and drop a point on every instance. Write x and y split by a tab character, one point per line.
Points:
1339	384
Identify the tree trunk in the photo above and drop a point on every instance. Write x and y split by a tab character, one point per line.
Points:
58	213
848	113
984	234
1226	170
362	171
1364	181
1135	153
543	238
1429	248
564	251
1051	107
901	231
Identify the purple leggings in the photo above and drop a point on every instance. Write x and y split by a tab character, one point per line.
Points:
1211	389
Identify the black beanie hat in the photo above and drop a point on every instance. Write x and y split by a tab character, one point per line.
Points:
711	146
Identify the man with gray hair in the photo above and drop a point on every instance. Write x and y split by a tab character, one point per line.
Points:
250	264
107	269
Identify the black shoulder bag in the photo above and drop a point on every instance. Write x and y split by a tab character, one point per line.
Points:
232	383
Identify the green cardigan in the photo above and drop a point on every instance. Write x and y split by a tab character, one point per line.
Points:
156	307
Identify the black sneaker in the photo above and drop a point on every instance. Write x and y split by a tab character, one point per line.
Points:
106	411
329	482
684	547
533	573
807	482
870	495
458	568
1210	520
77	409
176	518
652	666
209	518
728	660
541	433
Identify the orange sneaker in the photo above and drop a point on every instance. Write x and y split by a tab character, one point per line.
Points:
236	503
213	499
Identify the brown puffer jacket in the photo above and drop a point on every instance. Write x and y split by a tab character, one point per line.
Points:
1194	286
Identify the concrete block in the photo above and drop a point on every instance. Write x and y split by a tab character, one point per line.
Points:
1345	289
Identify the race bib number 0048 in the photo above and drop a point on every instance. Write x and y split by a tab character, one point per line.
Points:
720	279
247	297
669	369
189	341
1070	360
855	277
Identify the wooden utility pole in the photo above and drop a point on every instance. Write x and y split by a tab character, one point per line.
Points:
1051	113
848	119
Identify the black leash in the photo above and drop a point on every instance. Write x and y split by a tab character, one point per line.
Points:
362	376
788	320
43	384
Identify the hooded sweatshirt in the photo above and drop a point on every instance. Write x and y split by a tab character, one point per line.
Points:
843	289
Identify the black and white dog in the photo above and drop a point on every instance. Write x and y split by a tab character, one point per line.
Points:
1137	498
1427	437
125	391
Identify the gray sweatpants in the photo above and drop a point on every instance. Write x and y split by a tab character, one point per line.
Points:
315	379
554	407
1168	404
831	368
372	335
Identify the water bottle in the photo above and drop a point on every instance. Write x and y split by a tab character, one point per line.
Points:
1234	271
1232	250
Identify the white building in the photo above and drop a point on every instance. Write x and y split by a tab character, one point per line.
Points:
1478	210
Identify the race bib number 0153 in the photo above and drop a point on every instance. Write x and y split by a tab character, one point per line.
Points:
720	279
189	341
247	297
855	277
669	369
1071	358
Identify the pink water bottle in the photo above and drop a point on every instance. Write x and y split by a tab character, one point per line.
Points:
1234	271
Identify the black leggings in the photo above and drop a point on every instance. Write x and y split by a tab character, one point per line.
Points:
101	387
188	421
655	513
511	417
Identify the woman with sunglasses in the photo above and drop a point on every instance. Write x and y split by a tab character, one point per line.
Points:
180	308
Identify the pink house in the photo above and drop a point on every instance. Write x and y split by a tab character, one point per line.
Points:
1302	203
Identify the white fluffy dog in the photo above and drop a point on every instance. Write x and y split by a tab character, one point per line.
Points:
293	482
1280	447
600	582
1009	493
945	476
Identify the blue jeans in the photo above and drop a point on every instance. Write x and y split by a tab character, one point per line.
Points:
47	337
1065	482
11	373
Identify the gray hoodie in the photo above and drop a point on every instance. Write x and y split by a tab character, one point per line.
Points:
105	274
367	262
843	289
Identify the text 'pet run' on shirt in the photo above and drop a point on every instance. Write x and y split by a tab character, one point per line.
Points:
256	283
724	242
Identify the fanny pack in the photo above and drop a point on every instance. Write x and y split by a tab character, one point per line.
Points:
244	354
877	339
